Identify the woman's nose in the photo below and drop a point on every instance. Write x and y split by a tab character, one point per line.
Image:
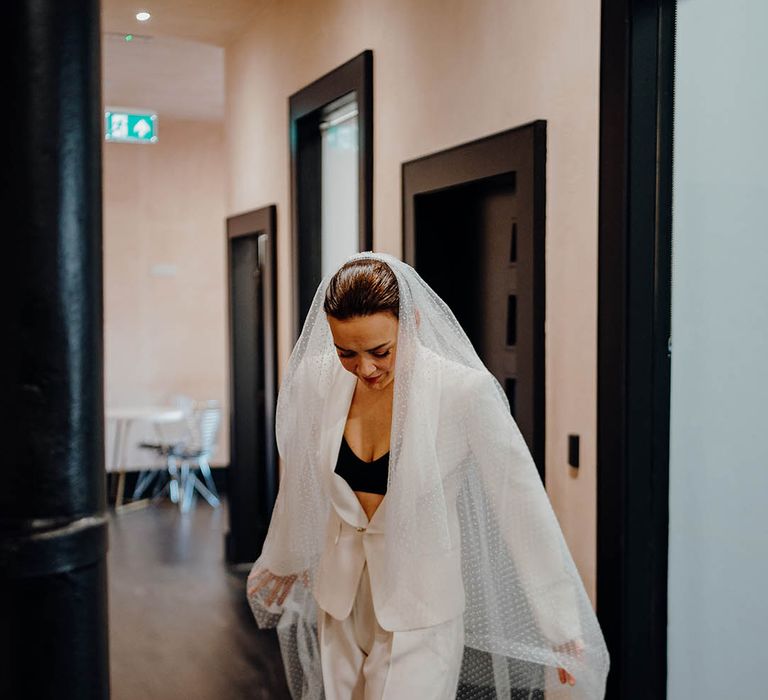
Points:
367	368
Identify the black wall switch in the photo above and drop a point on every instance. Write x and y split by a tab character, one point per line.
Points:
573	451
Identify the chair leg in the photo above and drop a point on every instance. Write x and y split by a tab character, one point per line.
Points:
143	482
205	468
160	492
120	489
138	488
174	482
188	487
209	496
162	483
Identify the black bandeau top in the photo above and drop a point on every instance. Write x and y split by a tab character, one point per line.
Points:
370	477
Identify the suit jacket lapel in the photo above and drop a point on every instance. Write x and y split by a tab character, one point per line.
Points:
335	414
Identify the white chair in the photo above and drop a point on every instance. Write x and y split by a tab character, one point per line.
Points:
195	457
189	458
171	439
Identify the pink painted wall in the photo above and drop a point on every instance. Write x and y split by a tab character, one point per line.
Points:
164	204
445	73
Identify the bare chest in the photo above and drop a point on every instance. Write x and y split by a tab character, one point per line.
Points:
368	428
367	433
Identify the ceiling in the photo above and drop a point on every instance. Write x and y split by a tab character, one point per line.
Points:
208	21
175	63
175	77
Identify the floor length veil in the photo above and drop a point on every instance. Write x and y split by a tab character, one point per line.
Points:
526	611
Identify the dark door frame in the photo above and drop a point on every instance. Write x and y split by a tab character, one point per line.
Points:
634	288
305	108
256	222
483	158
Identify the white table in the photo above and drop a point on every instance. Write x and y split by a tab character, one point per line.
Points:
124	417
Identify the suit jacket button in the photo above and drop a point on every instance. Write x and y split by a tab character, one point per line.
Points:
360	529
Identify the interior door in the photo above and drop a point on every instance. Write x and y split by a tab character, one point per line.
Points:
474	229
252	475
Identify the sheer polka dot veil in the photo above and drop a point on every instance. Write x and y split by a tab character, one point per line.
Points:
456	457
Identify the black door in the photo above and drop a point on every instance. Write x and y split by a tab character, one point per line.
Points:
252	482
474	229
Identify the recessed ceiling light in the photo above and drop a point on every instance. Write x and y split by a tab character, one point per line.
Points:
143	16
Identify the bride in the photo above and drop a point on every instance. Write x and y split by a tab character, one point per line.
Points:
412	551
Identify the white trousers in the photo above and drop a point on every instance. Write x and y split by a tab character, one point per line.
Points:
362	661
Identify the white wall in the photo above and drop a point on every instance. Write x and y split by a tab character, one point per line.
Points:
718	524
166	333
447	72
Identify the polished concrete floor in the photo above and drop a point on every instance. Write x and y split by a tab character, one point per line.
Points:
180	626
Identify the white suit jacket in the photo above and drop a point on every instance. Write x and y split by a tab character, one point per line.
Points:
432	591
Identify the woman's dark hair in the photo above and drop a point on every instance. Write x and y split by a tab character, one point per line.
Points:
362	287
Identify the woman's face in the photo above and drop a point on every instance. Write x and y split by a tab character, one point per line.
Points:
366	346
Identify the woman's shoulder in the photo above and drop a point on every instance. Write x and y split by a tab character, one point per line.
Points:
457	377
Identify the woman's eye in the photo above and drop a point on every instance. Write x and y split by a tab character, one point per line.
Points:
383	354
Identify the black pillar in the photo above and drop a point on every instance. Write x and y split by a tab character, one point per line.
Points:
53	602
634	307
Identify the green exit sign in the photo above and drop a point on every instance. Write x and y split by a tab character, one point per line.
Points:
125	126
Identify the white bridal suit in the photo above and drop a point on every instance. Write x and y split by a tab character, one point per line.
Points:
365	639
464	549
430	591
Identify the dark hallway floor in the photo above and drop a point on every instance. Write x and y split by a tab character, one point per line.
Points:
180	626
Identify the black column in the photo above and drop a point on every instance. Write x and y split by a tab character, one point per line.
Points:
634	307
53	603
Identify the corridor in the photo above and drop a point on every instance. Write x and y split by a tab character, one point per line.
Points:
180	624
